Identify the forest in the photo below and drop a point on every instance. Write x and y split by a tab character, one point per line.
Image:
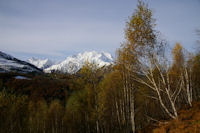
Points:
149	83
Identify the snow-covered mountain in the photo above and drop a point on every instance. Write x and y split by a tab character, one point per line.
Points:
70	65
11	64
42	64
74	63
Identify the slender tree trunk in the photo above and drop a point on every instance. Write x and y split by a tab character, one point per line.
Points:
132	109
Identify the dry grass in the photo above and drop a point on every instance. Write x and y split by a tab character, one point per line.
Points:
187	122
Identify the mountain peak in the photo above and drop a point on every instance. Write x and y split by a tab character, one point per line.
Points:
40	63
73	63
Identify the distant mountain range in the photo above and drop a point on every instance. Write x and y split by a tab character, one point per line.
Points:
70	65
73	63
10	64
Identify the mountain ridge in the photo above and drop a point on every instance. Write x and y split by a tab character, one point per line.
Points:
9	63
72	64
41	63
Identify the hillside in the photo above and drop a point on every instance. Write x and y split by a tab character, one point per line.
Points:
9	63
188	122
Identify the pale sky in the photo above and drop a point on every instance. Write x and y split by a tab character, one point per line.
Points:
57	28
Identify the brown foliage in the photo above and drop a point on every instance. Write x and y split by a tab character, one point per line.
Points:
187	122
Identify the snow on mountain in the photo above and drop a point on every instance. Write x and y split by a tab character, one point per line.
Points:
22	77
74	63
42	64
11	64
70	65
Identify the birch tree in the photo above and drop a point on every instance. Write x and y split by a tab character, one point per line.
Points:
182	67
140	38
155	76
